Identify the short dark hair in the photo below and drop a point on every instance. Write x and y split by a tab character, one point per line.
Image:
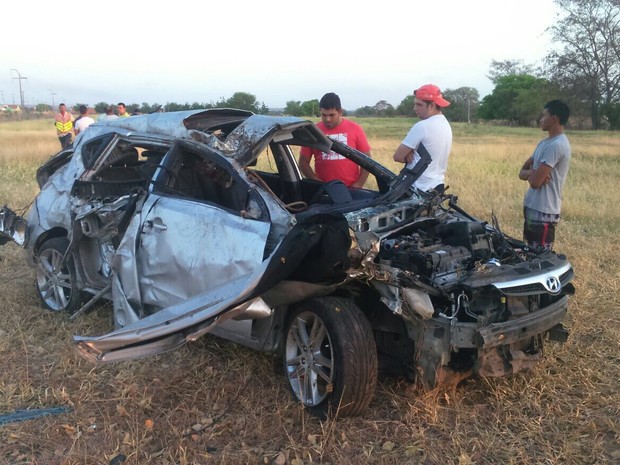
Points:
119	104
329	101
83	109
558	108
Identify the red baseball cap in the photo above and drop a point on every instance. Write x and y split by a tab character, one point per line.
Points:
432	93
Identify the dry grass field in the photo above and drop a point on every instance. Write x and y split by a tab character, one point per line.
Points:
212	402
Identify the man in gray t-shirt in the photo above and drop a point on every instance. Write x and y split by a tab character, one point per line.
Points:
546	172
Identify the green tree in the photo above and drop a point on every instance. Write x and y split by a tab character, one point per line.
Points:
100	107
263	109
171	106
131	107
198	106
311	108
365	111
503	68
293	108
517	98
150	108
612	113
405	107
588	65
464	103
242	101
383	108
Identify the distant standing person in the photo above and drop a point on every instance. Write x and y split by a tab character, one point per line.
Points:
107	115
82	121
546	171
434	132
64	126
122	110
330	166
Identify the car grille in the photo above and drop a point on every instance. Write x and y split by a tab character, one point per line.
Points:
536	287
528	289
567	277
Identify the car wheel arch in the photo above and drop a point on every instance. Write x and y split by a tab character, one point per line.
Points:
46	236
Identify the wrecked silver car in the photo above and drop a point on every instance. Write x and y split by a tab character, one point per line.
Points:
199	222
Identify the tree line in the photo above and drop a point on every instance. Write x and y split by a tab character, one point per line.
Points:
583	69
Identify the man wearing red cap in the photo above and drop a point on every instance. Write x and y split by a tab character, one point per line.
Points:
434	131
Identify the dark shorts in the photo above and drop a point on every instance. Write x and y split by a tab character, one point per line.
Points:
539	228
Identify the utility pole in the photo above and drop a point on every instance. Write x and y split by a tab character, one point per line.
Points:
1	98
53	104
21	92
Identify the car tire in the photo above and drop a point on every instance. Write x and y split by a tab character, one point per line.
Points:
56	282
330	357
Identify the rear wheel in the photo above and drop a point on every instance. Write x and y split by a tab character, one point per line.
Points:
330	357
56	281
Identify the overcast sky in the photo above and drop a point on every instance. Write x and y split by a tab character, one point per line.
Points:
278	50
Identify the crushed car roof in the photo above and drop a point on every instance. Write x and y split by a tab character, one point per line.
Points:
234	133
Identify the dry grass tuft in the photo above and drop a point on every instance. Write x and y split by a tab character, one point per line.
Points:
214	402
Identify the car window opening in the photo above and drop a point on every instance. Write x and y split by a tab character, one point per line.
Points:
203	180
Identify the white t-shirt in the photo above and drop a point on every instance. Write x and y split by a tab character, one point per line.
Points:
83	123
105	117
436	135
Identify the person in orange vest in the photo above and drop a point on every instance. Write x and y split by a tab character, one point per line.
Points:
64	126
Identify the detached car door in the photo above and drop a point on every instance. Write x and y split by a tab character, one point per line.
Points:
193	235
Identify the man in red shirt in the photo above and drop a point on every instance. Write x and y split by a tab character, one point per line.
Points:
330	166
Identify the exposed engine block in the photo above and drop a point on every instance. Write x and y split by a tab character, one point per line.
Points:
441	253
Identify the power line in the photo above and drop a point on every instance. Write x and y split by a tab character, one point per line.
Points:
21	92
53	104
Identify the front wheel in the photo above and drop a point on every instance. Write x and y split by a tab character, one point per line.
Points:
56	281
330	357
